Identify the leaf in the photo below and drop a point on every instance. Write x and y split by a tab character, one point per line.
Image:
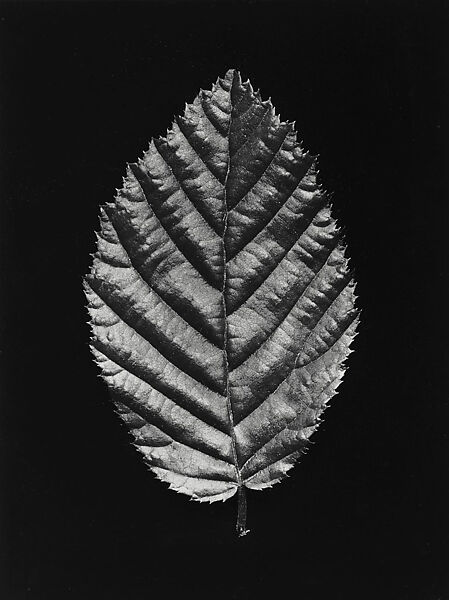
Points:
221	303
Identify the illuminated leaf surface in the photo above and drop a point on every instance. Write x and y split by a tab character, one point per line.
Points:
221	304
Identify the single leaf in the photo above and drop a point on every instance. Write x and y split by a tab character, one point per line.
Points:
221	303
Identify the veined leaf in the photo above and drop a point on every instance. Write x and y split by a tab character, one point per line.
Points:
221	303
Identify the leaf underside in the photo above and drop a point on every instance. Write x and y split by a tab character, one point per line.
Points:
220	299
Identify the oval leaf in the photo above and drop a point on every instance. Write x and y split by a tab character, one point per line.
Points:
221	303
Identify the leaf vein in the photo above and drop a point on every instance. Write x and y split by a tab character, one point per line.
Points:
188	140
250	134
197	267
133	405
249	292
203	214
160	346
176	396
161	297
265	168
266	398
282	321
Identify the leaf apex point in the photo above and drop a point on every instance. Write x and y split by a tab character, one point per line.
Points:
231	73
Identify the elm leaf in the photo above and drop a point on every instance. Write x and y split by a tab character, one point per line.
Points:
221	303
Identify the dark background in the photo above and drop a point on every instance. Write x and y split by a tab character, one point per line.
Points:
83	88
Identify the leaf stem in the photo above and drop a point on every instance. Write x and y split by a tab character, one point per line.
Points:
241	514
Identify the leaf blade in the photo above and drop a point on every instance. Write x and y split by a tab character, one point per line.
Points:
222	306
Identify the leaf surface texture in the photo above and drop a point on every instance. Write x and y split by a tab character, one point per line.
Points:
220	299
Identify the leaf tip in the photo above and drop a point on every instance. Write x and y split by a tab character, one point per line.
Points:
232	74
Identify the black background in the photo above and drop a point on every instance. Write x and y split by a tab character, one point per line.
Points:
83	88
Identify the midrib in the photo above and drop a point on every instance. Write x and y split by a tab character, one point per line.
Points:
241	513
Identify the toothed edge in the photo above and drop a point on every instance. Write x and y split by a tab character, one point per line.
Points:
293	459
177	482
